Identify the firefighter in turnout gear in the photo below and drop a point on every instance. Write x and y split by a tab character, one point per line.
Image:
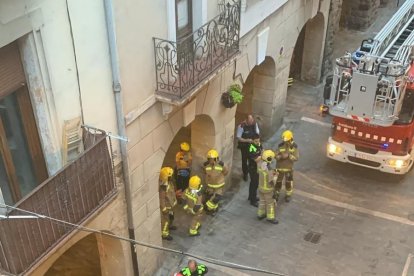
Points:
194	269
267	180
167	202
183	162
286	154
194	204
215	172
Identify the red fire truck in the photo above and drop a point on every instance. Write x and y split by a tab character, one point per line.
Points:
371	99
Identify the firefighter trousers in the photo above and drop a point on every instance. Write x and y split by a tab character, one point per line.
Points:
267	205
213	198
195	221
166	222
288	176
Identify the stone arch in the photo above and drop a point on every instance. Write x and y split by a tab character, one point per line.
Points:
94	254
313	46
260	99
200	134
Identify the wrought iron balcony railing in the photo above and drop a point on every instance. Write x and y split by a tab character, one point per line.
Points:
180	66
72	195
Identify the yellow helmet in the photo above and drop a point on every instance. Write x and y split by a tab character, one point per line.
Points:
268	155
184	146
287	135
212	154
195	182
165	173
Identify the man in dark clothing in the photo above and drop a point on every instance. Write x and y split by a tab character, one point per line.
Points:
194	269
245	132
255	151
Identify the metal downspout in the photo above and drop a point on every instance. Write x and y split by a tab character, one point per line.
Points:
110	27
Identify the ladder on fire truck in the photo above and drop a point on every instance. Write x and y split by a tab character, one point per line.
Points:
371	88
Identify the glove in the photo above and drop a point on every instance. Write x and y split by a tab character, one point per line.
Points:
196	208
221	163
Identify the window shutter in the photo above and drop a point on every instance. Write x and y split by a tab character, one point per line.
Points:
11	70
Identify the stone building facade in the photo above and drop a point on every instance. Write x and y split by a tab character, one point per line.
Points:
79	79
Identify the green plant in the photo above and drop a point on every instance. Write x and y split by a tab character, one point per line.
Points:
235	92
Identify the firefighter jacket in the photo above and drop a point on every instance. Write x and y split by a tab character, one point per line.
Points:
183	160
215	174
267	177
193	198
286	155
201	270
167	196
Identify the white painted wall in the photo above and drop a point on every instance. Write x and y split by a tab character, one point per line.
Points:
92	52
137	22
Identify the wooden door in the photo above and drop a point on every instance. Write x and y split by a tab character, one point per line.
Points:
22	161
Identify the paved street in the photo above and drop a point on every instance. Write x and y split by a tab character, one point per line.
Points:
365	218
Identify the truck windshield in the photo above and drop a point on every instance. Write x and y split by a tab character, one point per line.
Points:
407	109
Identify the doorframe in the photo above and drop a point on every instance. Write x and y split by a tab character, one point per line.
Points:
9	165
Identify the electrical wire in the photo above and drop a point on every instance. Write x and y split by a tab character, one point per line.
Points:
135	242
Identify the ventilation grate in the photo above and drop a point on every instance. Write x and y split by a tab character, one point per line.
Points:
312	237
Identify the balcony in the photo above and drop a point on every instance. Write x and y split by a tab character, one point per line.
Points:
72	195
182	66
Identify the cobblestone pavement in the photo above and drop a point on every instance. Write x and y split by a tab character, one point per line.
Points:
357	221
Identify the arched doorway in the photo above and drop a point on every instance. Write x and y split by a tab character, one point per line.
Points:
200	134
81	259
306	62
259	92
93	255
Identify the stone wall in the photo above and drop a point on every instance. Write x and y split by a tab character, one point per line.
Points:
333	27
359	14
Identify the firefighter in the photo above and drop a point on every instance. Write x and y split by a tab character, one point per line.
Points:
267	180
255	152
286	154
194	204
167	202
194	269
183	160
215	172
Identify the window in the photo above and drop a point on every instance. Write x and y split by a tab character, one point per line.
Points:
184	17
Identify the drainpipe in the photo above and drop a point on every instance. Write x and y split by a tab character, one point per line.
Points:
110	27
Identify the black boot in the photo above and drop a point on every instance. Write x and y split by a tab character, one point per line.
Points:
288	198
168	238
254	203
273	221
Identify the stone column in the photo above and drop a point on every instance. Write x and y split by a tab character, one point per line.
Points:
332	29
359	14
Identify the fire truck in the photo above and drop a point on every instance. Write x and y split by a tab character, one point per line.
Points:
371	99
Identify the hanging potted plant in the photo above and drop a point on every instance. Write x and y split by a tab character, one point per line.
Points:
232	96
